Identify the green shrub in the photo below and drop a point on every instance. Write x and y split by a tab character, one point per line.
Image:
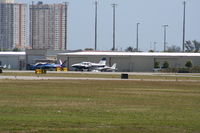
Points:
156	64
195	69
188	64
165	65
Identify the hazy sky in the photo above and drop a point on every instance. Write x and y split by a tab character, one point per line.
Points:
151	14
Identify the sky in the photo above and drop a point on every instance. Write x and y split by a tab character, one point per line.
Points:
151	14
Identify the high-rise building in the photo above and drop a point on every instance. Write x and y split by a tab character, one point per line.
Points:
48	26
13	25
6	1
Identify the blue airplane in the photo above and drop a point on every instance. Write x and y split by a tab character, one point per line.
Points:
48	66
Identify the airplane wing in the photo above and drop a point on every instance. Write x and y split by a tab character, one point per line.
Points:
107	68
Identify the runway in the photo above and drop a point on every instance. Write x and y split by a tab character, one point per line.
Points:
86	78
116	73
14	76
52	78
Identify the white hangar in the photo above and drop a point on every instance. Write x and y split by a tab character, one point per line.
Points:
131	61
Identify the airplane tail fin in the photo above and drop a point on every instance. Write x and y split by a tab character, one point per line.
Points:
60	62
103	61
63	63
114	66
4	66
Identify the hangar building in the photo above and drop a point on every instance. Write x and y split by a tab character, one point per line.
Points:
13	60
131	61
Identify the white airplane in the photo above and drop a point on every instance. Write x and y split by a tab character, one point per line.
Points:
3	67
113	68
89	65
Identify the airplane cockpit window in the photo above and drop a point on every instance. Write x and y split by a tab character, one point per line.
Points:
85	63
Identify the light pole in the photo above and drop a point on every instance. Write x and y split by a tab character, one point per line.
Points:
96	4
154	43
137	38
114	6
165	35
184	8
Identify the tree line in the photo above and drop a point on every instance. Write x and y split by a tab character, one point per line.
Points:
190	46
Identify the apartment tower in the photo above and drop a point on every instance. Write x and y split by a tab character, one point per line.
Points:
13	25
48	26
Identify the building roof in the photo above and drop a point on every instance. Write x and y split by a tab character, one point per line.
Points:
12	53
98	53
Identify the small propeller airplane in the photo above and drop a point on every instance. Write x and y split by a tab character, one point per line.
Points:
89	65
45	65
113	68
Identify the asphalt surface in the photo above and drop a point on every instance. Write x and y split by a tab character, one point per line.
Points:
84	78
118	73
37	77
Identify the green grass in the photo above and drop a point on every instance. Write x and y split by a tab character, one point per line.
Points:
51	106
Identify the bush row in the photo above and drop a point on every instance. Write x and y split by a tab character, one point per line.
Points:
195	69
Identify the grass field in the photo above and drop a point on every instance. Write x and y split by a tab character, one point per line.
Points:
75	106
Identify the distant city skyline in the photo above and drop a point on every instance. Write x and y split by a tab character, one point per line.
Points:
13	25
151	15
48	26
7	1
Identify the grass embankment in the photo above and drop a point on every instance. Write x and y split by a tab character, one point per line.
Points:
99	106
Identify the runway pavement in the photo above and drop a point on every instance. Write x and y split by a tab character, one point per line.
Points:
38	77
84	78
51	78
116	73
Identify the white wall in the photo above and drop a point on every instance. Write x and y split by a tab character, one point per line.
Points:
132	63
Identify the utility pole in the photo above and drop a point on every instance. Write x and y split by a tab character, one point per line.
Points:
184	8
66	8
165	34
96	5
137	38
114	6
